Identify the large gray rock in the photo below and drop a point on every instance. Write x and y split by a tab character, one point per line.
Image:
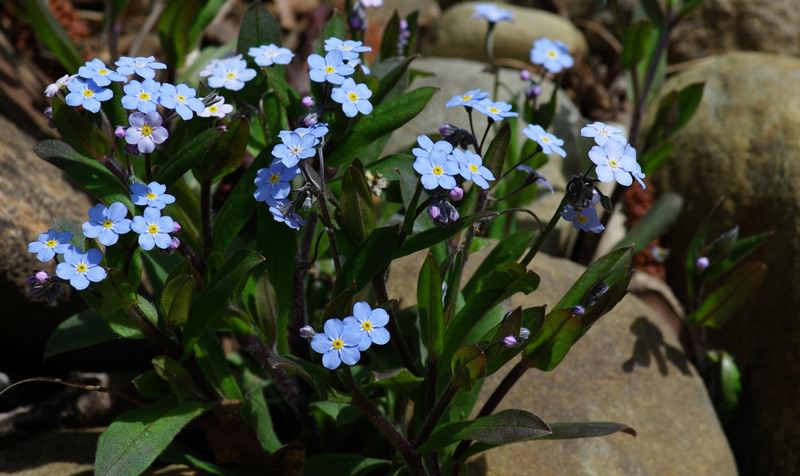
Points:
461	36
743	144
629	368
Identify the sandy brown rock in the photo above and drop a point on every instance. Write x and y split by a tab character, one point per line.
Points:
629	368
743	144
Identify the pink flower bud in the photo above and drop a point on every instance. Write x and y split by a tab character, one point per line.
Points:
525	75
702	263
307	332
509	341
308	102
41	277
176	227
456	194
119	132
434	212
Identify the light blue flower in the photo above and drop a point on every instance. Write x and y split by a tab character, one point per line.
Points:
282	213
471	168
553	55
549	143
87	94
142	96
585	219
98	72
107	223
153	229
369	325
143	66
267	55
151	195
49	244
318	130
274	181
353	98
426	146
145	131
349	49
182	99
437	170
614	162
636	170
294	148
468	99
330	68
491	13
602	133
337	344
231	74
80	269
497	111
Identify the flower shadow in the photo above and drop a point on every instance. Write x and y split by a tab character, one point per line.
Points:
650	346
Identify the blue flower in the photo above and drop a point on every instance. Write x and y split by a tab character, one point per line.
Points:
353	98
81	268
275	181
330	68
549	143
491	13
369	325
318	130
143	66
295	148
426	146
497	111
602	133
146	131
614	162
49	244
437	170
553	55
151	195
107	223
471	167
231	74
86	94
585	219
142	96
98	72
337	344
282	213
153	229
267	55
349	49
182	99
468	99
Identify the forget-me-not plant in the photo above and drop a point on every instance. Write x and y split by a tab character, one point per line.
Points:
471	168
141	95
337	344
492	13
549	143
153	229
182	98
152	195
350	49
49	244
353	97
602	133
145	131
369	325
274	181
331	68
231	74
295	148
553	55
267	55
87	94
495	110
80	269
98	72
144	66
107	223
468	99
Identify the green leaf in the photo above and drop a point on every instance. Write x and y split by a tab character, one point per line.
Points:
655	156
90	174
497	355
258	28
658	219
502	428
388	84
729	377
177	377
546	112
742	249
729	298
507	250
227	153
174	27
340	412
176	299
79	131
437	234
211	359
689	99
187	156
255	411
498	149
345	464
468	366
399	380
49	31
653	11
385	118
84	329
695	250
211	303
429	306
574	429
357	210
635	41
136	438
371	259
391	35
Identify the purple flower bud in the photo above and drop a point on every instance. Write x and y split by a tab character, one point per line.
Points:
577	310
119	132
456	194
524	333
41	277
307	332
525	75
435	212
533	91
509	341
310	119
176	243
308	102
447	129
702	263
42	288
453	215
48	112
177	226
223	127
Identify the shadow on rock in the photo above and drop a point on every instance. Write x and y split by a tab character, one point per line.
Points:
649	345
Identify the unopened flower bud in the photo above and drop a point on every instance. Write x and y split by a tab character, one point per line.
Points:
223	127
524	333
435	212
310	119
533	91
119	132
453	214
307	332
525	75
48	112
577	310
176	243
702	263
176	226
456	194
447	129
509	341
41	277
308	102
308	203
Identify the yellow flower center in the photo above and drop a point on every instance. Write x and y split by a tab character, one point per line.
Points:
88	93
473	168
212	109
330	69
81	268
466	97
146	130
366	325
152	228
545	139
552	54
295	150
337	344
230	75
274	178
180	98
352	96
613	163
108	224
51	243
102	71
151	196
437	170
494	110
581	219
144	95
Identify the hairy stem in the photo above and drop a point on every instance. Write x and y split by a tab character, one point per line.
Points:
537	244
299	307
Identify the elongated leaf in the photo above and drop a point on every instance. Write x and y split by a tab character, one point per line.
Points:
655	156
531	319
52	34
695	249
227	154
391	36
400	380
174	29
429	306
634	43
346	464
468	366
742	249
371	259
258	28
384	119
388	84
177	377
79	131
211	359
653	11
502	428
357	210
176	299
495	155
688	101
137	437
90	174
150	385
432	236
658	219
507	250
731	296
340	412
83	329
255	411
187	156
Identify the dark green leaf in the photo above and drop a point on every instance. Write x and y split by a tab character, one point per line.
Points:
729	298
729	377
695	250
227	153
635	43
255	411
468	366
429	306
502	428
655	156
389	82
738	253
52	35
658	219
177	377
688	101
83	329
176	299
391	35
575	429
211	359
79	131
150	385
174	27
400	380
345	464
188	156
258	28
357	210
498	355
371	259
340	412
496	153
437	234
653	11
507	250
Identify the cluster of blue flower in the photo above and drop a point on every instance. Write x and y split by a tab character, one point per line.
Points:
344	340
342	57
105	225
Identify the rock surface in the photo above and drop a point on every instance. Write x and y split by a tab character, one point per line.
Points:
743	144
461	36
628	368
752	25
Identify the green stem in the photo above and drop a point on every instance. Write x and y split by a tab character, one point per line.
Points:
435	414
537	244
